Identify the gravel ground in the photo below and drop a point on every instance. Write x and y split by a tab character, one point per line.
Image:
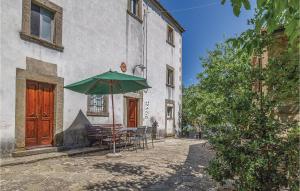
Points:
175	164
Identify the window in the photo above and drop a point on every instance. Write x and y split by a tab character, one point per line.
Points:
42	23
135	9
169	109
170	35
97	105
170	76
169	112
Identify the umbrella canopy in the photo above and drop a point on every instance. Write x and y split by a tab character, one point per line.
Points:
109	83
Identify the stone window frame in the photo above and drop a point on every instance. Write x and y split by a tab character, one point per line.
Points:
25	33
138	17
167	103
104	113
170	68
172	114
170	42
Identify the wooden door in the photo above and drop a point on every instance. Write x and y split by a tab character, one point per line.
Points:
132	113
39	114
31	134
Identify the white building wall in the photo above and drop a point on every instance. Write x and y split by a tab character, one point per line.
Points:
160	54
98	35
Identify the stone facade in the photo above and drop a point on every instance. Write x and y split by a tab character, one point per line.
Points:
90	38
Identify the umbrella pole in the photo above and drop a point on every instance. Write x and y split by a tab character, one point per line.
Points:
113	115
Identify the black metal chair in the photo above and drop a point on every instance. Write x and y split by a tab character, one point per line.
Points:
138	137
108	138
149	134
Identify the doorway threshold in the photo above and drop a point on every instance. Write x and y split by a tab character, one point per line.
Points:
27	159
34	151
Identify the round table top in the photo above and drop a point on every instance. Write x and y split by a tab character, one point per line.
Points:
128	129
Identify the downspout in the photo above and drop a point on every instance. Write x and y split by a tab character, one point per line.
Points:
145	40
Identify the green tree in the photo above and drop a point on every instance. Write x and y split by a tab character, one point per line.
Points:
241	104
253	145
191	96
192	118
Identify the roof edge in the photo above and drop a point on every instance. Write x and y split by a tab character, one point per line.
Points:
167	14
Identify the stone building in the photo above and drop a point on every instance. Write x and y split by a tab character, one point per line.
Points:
289	111
47	44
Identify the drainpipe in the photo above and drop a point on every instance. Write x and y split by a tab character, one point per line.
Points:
145	40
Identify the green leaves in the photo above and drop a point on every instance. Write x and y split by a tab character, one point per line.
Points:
249	109
294	3
236	4
244	125
260	3
272	15
223	2
246	4
236	10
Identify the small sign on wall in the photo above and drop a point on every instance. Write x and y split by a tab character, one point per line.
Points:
123	67
147	104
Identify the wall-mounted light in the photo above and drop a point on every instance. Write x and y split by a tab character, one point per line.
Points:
142	67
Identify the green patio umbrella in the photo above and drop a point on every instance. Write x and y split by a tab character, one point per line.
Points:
109	83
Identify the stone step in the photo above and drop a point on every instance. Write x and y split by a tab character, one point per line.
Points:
44	156
36	151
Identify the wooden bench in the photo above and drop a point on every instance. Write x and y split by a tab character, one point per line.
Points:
93	133
101	133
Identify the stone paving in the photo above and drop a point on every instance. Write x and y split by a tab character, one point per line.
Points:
175	164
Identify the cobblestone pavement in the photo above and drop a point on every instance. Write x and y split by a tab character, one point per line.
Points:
175	164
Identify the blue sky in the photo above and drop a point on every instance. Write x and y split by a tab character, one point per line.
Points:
207	22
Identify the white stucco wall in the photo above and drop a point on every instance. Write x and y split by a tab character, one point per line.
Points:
98	35
160	53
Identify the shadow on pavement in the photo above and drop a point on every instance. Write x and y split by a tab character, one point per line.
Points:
122	168
189	176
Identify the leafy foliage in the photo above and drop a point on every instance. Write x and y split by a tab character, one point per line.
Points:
249	109
255	146
191	96
271	14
